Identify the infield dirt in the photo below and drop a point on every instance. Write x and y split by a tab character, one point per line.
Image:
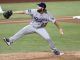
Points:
40	56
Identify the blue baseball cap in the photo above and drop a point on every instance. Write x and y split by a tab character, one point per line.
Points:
42	4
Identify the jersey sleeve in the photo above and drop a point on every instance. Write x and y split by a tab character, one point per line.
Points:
51	18
30	11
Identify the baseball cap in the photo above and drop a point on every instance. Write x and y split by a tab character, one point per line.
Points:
42	4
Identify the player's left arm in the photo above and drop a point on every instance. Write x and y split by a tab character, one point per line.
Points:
18	12
22	12
27	12
9	13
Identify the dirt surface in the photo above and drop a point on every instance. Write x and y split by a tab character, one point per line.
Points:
68	19
40	56
60	19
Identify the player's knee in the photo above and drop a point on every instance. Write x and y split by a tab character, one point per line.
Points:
47	38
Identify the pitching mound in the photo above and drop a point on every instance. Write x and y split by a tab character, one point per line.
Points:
40	56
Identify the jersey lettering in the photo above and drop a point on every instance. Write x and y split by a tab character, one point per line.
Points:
39	19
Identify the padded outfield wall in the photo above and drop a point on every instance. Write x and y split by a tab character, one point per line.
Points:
13	1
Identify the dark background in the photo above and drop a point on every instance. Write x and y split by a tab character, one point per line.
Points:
13	1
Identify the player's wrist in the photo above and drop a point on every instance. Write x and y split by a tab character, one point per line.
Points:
61	31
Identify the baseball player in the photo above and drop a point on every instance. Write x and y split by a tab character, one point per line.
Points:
40	18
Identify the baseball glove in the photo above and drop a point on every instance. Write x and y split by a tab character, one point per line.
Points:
7	14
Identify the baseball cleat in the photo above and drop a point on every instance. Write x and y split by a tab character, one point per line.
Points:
6	40
57	52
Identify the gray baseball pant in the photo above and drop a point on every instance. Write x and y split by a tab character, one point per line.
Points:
29	29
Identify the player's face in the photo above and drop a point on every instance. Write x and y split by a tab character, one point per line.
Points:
40	8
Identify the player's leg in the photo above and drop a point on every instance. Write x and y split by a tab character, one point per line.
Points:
42	32
46	36
24	31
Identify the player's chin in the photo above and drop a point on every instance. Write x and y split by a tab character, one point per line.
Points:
39	10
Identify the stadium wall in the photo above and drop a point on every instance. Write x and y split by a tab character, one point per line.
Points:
13	1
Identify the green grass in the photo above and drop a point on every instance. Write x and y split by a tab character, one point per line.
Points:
33	42
68	8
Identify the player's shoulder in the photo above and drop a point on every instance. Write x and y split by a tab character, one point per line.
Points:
33	10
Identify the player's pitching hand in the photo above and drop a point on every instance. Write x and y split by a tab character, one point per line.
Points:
61	31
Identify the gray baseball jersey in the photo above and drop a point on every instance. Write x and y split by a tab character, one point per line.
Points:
39	20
